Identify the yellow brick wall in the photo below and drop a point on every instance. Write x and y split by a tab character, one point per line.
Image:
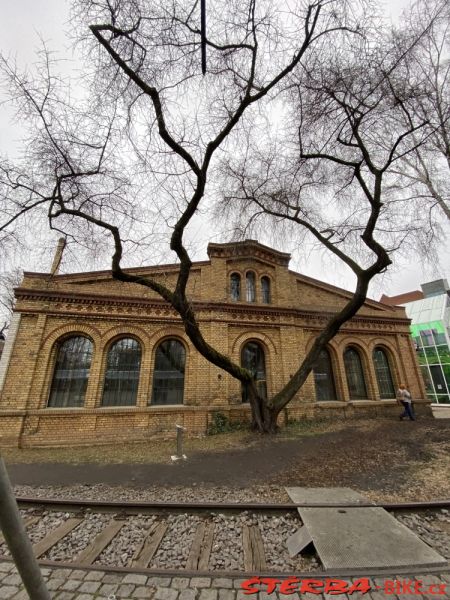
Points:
55	308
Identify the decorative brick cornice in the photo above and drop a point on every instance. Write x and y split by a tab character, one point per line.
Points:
249	249
57	302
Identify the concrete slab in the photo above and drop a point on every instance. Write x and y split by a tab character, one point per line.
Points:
301	495
360	538
298	541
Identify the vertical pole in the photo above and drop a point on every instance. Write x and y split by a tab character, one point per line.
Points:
180	430
203	33
17	540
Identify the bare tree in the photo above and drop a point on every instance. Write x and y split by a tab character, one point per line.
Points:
140	150
345	137
425	173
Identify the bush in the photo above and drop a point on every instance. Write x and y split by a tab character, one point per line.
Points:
222	424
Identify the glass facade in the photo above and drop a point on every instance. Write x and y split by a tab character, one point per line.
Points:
430	329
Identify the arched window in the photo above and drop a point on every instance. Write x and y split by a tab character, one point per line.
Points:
324	378
122	373
235	286
70	378
355	374
383	373
252	359
168	377
251	286
265	290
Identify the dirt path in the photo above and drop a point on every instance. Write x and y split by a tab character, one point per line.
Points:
381	458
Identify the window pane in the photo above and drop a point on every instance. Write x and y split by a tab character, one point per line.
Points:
427	380
235	286
250	283
252	359
122	373
438	379
323	377
70	378
432	355
168	377
444	354
355	375
265	290
383	372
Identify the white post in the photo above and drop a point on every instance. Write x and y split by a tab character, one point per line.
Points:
179	455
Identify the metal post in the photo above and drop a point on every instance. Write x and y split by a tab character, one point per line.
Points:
179	455
17	540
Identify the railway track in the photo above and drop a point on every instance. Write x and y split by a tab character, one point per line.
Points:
225	539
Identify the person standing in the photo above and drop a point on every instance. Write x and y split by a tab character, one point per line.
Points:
404	398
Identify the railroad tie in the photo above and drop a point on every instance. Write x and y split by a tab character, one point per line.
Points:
149	546
253	547
198	559
54	536
89	554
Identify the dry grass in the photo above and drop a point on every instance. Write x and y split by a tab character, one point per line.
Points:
160	450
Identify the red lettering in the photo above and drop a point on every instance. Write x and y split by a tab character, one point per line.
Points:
247	585
289	586
335	586
311	586
360	585
418	588
271	584
407	587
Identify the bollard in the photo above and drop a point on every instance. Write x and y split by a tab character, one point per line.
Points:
179	455
17	540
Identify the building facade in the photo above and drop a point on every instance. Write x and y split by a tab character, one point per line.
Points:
429	311
92	360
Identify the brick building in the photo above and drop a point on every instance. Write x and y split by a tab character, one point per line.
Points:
92	360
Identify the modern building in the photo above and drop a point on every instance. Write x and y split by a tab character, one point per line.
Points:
429	311
92	360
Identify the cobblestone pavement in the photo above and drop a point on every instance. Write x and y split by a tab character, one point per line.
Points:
68	584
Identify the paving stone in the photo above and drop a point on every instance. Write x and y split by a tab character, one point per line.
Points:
108	589
71	585
188	594
238	583
180	583
78	574
6	567
112	578
84	597
159	581
209	595
222	582
89	586
163	593
125	590
135	578
45	571
22	595
241	595
143	592
94	576
446	577
200	582
227	595
9	591
12	579
61	573
55	584
274	596
65	596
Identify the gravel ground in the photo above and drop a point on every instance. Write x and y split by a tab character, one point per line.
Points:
79	538
226	554
176	543
433	527
126	541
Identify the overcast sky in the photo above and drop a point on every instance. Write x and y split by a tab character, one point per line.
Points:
22	21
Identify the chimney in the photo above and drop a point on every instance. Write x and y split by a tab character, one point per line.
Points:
58	256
